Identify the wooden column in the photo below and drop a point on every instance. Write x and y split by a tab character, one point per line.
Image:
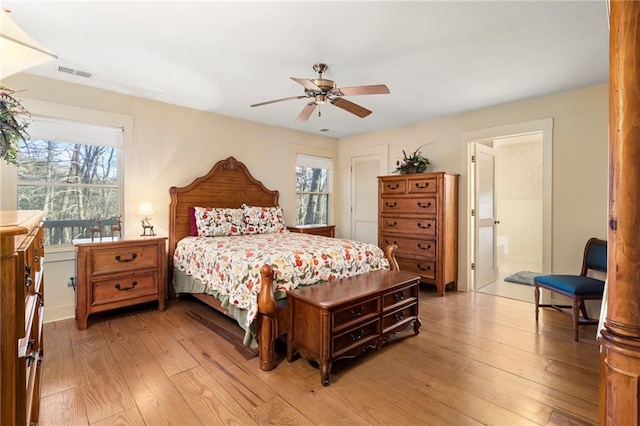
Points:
621	334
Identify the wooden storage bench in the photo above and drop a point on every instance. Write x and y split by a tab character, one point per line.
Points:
342	318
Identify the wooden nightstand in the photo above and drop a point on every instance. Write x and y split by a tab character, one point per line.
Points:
118	272
324	230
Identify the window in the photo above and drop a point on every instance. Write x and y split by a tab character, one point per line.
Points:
313	176
71	171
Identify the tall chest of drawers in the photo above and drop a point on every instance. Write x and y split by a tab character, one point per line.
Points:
21	315
419	213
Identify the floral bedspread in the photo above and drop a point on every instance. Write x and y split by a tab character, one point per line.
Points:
231	265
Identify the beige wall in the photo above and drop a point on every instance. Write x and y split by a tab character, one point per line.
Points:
580	164
172	145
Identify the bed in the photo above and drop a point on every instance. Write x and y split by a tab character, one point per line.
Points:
230	185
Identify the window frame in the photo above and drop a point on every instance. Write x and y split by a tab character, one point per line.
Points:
320	157
87	117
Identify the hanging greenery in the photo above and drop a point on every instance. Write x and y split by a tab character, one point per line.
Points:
12	125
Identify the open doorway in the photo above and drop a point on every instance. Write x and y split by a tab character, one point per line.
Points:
484	256
518	198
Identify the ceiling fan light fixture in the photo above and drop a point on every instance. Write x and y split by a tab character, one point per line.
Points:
321	99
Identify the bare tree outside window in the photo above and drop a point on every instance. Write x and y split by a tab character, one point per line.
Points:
312	195
71	182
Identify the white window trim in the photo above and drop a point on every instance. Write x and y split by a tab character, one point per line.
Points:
314	152
83	116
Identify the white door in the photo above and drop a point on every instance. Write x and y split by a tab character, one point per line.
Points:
485	251
364	197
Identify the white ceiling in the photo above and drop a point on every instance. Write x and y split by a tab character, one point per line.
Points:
437	58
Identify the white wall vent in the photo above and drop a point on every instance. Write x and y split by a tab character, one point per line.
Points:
71	71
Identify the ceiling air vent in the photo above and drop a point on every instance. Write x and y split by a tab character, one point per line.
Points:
71	71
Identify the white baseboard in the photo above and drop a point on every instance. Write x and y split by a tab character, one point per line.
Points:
59	313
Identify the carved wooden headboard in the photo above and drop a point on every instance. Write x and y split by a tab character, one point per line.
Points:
228	184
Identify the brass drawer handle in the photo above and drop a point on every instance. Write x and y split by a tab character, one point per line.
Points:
398	316
424	206
428	268
357	336
399	296
133	285
394	242
396	186
358	313
133	257
386	203
421	247
422	186
390	224
421	226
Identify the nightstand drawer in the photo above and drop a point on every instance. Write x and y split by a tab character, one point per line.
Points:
124	288
121	259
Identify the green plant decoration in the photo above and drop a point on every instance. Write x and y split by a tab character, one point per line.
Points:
12	125
414	163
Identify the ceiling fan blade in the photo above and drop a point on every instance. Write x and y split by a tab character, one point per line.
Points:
306	112
374	89
279	100
308	84
351	107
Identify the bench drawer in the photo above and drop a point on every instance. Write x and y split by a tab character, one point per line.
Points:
357	312
399	317
400	296
355	337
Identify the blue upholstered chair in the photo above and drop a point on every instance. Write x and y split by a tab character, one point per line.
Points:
577	287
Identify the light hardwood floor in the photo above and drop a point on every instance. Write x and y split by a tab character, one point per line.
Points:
479	359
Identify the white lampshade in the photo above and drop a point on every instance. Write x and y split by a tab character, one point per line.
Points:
145	209
18	50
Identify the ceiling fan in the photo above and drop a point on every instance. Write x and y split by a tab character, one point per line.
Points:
321	91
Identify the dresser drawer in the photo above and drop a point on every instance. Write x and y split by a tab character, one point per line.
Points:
399	316
131	258
412	246
394	187
423	205
355	337
357	312
422	186
424	268
124	288
400	296
419	226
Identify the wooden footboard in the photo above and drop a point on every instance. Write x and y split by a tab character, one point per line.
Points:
270	318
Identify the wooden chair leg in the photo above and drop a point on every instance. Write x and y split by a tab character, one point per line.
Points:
575	307
536	297
583	309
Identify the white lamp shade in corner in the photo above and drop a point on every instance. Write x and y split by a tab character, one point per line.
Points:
18	51
145	209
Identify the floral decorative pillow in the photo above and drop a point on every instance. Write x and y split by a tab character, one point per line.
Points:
263	220
219	222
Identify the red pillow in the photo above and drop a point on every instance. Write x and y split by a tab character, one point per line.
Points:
192	222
